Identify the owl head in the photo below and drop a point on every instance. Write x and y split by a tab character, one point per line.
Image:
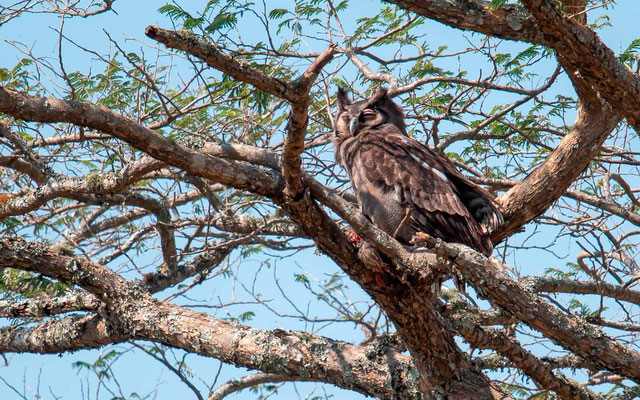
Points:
378	109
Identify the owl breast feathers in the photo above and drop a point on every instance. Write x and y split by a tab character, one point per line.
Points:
404	187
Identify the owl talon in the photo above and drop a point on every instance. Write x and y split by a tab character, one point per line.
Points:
354	237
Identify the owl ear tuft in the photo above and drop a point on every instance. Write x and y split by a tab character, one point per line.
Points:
343	98
382	100
381	95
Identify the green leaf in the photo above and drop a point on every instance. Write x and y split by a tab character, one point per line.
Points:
301	278
278	13
246	316
222	21
494	4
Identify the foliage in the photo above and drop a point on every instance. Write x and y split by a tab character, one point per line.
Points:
470	97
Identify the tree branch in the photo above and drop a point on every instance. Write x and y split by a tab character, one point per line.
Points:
550	285
240	175
538	191
75	332
236	385
464	320
296	92
38	257
508	21
491	282
297	125
211	54
136	314
44	307
595	118
582	49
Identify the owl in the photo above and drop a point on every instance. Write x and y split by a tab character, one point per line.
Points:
404	187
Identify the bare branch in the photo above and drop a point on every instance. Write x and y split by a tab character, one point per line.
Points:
541	284
507	21
236	385
86	114
582	49
209	53
489	278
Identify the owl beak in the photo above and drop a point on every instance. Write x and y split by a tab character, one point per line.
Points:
352	125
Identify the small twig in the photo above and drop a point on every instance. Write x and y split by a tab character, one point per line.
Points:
236	385
407	215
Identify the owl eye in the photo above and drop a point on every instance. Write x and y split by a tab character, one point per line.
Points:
368	113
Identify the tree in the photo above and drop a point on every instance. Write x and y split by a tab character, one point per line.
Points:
131	186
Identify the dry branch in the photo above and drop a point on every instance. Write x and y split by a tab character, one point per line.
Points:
582	49
490	280
132	313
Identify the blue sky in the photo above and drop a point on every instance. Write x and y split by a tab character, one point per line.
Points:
141	373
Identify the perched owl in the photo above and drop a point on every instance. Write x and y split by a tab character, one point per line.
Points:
404	187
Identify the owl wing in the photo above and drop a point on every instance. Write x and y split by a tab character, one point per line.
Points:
478	201
394	173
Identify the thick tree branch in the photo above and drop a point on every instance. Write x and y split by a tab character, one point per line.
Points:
75	332
490	280
92	185
577	45
135	314
596	118
297	125
206	261
429	355
509	21
376	372
40	258
542	373
582	49
296	92
211	54
240	175
410	306
47	306
538	191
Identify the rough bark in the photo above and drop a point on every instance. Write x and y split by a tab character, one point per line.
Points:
457	377
508	21
490	280
547	183
403	288
465	322
578	46
582	49
129	312
38	109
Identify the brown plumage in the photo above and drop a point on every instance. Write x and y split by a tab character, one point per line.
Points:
402	185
